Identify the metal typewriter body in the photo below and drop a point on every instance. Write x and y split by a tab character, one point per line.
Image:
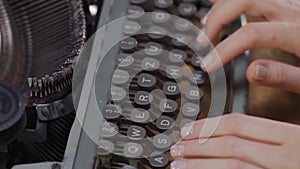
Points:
81	150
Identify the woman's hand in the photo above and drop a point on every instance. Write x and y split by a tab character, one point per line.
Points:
239	142
282	30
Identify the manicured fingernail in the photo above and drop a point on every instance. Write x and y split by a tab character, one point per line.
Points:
187	130
202	39
178	165
208	62
177	150
203	140
204	19
260	72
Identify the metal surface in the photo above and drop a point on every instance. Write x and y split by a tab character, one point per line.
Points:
12	55
0	42
40	41
240	82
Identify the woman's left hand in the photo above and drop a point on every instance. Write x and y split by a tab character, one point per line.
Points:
239	142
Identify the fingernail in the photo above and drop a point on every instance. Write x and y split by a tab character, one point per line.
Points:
178	165
202	140
261	72
202	39
177	150
187	130
204	19
208	62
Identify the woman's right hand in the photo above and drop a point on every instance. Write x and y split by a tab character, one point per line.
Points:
281	30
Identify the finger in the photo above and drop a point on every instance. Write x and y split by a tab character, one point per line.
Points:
274	74
255	153
224	12
221	14
254	35
240	126
211	164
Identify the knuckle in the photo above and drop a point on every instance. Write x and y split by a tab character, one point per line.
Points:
282	76
234	123
232	145
254	32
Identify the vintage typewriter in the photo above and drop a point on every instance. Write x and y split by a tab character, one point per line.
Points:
130	69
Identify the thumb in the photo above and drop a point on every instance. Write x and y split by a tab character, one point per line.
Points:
274	74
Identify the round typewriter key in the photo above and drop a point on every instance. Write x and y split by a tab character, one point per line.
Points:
153	49
131	28
140	116
135	12
164	4
124	60
171	89
136	133
183	25
112	111
174	72
105	147
187	9
150	64
164	123
160	17
133	150
128	45
117	93
190	110
162	141
108	130
159	161
197	77
137	1
194	93
128	167
180	40
105	152
196	61
168	106
146	80
157	33
120	77
147	5
143	98
177	56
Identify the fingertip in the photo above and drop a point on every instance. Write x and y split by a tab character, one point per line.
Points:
202	38
258	71
250	73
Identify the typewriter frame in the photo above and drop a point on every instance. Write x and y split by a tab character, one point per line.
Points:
80	152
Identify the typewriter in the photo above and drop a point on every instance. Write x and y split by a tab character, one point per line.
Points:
107	84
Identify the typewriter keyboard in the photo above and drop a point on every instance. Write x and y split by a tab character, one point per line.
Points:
153	92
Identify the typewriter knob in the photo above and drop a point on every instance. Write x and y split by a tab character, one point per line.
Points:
12	112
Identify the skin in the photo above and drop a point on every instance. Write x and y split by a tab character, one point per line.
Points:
245	142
